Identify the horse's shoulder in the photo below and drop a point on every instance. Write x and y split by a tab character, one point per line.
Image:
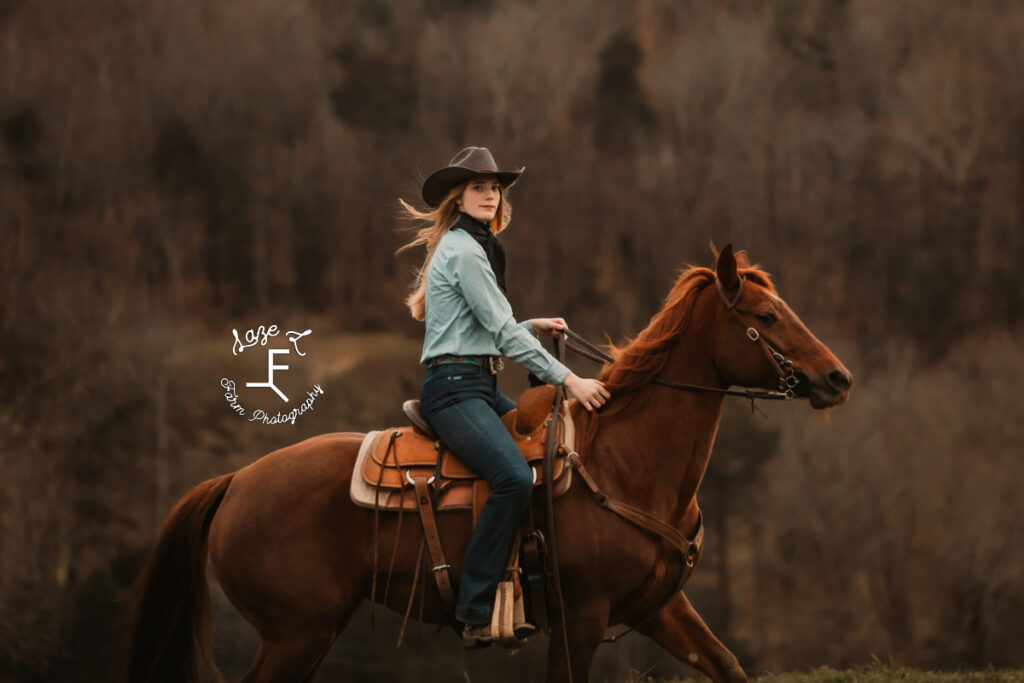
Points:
532	407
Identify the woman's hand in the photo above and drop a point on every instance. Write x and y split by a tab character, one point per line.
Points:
589	392
549	327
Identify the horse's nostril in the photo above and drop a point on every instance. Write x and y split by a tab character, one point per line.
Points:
840	380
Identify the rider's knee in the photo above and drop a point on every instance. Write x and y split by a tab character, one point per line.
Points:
516	483
524	482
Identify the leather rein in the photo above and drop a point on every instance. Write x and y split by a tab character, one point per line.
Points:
789	380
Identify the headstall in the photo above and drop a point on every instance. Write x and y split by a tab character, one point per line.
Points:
790	380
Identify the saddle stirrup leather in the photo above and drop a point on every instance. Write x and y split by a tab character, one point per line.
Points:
440	568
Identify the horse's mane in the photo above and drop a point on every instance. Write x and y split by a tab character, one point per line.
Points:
642	357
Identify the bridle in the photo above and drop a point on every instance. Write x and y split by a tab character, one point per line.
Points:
790	380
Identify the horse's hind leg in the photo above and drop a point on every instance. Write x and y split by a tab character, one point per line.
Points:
295	657
680	630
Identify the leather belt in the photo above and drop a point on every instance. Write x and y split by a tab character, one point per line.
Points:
493	364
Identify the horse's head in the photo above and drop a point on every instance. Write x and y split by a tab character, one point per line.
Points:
757	335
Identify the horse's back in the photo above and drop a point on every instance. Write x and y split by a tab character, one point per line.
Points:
318	466
290	505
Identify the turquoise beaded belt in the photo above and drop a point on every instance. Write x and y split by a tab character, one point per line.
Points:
494	364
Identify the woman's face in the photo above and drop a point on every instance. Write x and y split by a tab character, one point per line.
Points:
481	197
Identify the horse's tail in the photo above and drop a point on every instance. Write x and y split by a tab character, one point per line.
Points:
170	630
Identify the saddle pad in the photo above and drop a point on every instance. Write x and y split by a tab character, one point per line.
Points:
412	455
365	495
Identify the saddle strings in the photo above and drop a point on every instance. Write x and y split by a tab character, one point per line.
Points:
412	593
376	532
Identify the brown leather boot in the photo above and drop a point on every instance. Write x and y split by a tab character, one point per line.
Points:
478	635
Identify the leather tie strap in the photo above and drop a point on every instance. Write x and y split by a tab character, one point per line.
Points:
433	538
376	528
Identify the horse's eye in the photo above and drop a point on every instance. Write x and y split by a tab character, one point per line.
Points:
767	318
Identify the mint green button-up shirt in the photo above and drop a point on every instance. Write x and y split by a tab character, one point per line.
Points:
468	315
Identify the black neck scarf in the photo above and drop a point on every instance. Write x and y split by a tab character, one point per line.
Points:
481	232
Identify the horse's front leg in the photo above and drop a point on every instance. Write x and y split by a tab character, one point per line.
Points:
585	628
680	630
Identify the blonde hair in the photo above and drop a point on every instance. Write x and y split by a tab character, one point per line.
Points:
436	223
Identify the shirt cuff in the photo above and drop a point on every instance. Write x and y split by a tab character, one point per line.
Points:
559	372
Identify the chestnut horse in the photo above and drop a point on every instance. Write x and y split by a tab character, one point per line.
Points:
294	554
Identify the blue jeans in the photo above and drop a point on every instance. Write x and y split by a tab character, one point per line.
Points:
463	404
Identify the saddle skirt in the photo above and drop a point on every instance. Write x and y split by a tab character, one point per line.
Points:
391	460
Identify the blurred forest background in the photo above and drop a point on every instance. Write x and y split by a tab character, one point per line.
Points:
173	169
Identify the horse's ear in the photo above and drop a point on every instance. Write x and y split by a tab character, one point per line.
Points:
741	259
725	269
714	249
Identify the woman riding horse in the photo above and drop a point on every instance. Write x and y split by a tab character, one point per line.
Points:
459	293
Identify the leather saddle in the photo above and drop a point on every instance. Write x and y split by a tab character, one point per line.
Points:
391	460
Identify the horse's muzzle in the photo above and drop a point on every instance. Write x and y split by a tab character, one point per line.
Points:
825	390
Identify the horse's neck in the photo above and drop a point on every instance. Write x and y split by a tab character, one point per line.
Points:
655	455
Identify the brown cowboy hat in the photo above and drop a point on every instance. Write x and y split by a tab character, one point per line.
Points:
469	163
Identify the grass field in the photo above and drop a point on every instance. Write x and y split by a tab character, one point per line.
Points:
882	673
